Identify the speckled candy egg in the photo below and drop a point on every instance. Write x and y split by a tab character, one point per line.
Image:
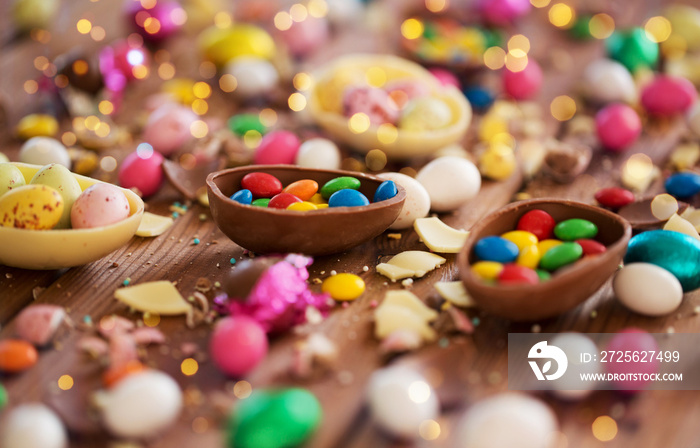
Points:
142	170
425	114
450	182
168	128
33	425
10	177
507	420
62	180
618	126
417	204
277	147
141	405
237	345
43	151
255	76
34	207
400	399
445	77
648	289
99	205
318	153
608	81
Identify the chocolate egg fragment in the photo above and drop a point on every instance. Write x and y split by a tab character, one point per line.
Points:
240	280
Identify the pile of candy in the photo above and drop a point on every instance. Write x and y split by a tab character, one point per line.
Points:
265	190
530	254
53	199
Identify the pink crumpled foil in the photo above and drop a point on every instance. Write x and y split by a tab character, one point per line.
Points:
281	296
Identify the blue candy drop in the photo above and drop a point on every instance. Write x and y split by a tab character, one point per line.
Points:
683	185
385	190
347	198
479	97
244	197
495	248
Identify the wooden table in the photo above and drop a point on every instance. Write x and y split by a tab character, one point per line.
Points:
470	366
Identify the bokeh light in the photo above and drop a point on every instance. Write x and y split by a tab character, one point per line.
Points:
604	428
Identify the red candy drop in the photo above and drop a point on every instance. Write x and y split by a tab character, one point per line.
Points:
614	197
667	95
283	200
591	247
513	274
617	126
262	185
524	84
539	223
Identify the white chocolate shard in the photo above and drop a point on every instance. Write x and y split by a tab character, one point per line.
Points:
403	310
416	261
685	156
159	297
678	224
663	206
407	299
455	293
153	225
438	236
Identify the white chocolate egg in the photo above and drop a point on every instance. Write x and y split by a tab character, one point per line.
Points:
33	425
570	387
400	399
318	153
648	289
417	204
608	81
43	151
255	76
450	182
141	405
507	420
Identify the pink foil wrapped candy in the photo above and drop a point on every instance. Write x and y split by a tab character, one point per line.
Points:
279	299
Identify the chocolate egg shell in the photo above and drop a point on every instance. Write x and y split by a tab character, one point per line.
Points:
566	289
640	217
320	232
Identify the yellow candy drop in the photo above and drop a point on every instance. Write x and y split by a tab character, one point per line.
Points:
302	206
545	245
529	256
343	286
487	270
498	162
520	238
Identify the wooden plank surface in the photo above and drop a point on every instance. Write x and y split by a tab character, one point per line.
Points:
469	367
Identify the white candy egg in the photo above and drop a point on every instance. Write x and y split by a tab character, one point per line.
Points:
141	405
417	204
33	425
255	76
570	387
505	421
608	81
400	399
318	153
648	289
62	180
450	182
43	151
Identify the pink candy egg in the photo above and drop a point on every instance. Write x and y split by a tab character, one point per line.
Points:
168	128
503	12
631	340
237	345
99	205
277	147
446	77
668	95
618	126
142	170
305	37
524	84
